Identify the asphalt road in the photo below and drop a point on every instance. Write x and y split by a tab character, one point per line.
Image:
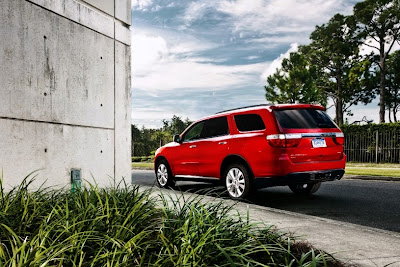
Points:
369	203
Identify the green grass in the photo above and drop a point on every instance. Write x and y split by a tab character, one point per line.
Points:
121	226
143	165
372	169
369	171
372	165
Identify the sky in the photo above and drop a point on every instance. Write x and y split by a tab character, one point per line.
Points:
195	58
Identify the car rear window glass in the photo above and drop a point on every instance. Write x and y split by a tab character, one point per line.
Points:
215	127
303	119
249	122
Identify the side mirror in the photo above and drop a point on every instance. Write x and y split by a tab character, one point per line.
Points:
177	139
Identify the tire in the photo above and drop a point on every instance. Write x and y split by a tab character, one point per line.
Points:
305	189
237	181
164	176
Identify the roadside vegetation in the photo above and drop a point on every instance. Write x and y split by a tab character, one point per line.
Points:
372	169
143	165
123	226
146	141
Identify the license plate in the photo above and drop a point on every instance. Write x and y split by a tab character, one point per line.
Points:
318	142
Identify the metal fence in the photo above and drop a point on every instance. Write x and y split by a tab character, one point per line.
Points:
374	147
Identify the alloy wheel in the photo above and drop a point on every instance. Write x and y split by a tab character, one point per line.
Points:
235	182
162	174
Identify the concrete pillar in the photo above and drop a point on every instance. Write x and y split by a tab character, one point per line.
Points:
65	91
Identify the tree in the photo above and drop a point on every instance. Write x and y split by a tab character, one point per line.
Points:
379	20
176	125
161	137
135	135
392	98
145	141
294	82
334	49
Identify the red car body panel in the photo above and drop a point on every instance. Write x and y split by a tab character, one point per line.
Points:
205	157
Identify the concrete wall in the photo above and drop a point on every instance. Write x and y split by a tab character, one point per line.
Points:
65	90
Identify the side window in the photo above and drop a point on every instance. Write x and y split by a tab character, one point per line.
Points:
215	127
194	132
249	122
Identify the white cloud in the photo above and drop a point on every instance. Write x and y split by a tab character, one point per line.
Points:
268	10
151	116
252	57
147	52
142	5
159	65
277	63
272	16
271	42
190	46
174	74
195	11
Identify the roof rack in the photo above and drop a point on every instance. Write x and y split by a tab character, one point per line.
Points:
259	105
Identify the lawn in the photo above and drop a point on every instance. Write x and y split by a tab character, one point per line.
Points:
143	165
373	171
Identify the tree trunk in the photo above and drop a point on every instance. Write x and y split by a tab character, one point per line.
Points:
339	102
395	106
339	111
382	65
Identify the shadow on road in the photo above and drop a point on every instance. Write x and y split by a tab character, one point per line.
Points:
369	203
276	197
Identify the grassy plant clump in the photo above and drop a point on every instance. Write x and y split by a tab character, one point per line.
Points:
122	226
93	227
212	234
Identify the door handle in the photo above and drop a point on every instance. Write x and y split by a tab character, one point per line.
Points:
192	146
222	143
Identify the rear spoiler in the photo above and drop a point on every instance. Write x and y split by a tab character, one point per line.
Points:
296	106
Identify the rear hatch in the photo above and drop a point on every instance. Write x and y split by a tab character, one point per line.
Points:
309	133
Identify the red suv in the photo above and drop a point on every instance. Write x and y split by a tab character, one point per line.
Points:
260	146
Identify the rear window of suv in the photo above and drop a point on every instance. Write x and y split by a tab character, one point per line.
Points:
249	122
303	119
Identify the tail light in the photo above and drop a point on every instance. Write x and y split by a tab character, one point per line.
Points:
284	140
339	139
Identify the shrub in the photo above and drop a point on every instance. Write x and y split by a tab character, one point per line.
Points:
122	226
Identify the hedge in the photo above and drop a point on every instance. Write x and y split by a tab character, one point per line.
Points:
381	127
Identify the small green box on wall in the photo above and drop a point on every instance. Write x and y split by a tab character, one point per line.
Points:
76	180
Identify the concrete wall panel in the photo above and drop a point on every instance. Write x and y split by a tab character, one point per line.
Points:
123	10
104	5
53	150
80	13
64	91
122	111
122	33
54	69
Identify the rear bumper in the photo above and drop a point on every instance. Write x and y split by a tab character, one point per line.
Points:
300	178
